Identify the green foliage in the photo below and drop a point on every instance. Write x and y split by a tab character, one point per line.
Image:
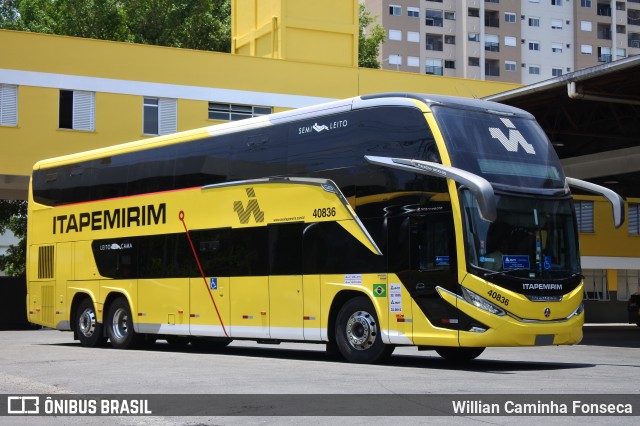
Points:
191	24
13	217
371	37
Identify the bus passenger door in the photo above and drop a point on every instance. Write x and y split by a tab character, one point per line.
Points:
209	315
249	307
425	259
286	293
285	303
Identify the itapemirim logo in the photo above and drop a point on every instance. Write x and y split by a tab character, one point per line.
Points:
244	213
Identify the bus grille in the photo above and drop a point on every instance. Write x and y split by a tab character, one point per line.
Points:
45	262
47	304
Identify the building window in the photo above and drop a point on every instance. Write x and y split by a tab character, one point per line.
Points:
534	69
473	12
634	219
556	47
231	112
474	37
633	17
491	43
449	39
77	110
534	45
433	66
556	2
160	116
534	22
584	215
433	18
413	61
451	16
395	10
450	64
492	67
395	59
556	24
413	12
586	26
556	72
395	35
8	105
585	3
510	17
434	42
510	66
586	49
413	36
474	62
510	41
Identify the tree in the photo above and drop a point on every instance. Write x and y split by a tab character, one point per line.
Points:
13	217
192	24
370	39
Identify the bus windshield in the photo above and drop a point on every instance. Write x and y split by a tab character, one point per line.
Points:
510	151
532	238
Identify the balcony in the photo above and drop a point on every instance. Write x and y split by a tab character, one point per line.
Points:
433	70
604	33
605	58
603	9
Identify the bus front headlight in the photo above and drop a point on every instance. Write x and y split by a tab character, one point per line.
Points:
481	302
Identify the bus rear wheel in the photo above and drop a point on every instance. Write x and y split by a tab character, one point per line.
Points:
357	333
456	354
87	327
120	326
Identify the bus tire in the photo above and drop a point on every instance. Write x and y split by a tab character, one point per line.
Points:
457	354
120	326
357	333
88	329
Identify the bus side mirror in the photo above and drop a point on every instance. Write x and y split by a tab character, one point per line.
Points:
617	203
479	186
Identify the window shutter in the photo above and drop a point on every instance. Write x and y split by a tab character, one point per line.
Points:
634	219
584	213
8	105
84	110
167	116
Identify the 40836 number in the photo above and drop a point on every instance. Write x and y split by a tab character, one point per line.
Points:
498	297
324	212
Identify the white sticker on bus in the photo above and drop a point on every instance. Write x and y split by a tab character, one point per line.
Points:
353	279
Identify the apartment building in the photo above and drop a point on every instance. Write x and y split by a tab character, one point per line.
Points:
516	41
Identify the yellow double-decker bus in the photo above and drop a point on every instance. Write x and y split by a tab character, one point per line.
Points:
378	221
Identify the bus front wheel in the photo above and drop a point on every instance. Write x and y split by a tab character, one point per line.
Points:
120	326
88	329
455	354
357	332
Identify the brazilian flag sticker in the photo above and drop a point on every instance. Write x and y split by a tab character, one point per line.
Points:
380	290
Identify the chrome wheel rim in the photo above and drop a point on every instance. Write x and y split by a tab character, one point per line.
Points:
361	330
120	324
87	322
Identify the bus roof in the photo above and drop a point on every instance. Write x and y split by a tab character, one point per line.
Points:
359	102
